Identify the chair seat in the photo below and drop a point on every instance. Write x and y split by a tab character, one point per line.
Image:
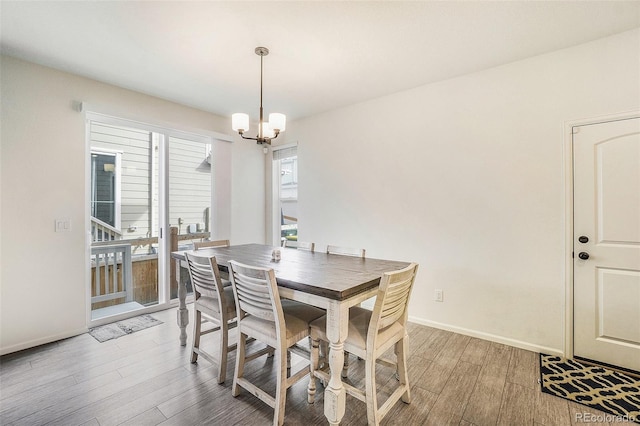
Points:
359	319
209	304
297	317
305	312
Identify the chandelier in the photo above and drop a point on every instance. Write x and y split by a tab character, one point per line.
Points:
266	130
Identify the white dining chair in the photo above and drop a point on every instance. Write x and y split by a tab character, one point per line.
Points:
370	335
212	303
197	245
278	324
345	251
300	245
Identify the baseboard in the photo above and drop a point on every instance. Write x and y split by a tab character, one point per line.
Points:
42	341
490	337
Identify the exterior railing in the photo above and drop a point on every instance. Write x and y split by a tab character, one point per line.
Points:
115	261
113	267
102	231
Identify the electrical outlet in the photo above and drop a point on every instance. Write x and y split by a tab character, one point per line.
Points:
438	295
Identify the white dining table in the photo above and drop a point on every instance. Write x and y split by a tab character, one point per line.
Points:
328	281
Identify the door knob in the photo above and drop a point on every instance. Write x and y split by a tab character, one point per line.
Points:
583	239
583	255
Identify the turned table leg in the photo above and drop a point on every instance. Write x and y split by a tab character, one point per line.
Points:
183	312
334	394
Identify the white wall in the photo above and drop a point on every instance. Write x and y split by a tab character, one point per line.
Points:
248	208
466	178
42	293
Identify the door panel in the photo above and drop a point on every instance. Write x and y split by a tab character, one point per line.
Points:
618	174
618	295
607	263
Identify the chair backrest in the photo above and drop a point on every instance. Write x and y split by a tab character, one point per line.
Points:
345	251
256	293
204	244
392	300
205	277
300	245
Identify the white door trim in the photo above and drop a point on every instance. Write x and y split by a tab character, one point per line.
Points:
568	196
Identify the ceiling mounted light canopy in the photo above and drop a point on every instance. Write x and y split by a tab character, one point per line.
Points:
266	130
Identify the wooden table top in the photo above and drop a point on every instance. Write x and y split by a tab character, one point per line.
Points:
328	275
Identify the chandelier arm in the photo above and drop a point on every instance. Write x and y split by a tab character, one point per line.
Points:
246	137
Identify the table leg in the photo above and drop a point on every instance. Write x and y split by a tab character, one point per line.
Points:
183	312
334	394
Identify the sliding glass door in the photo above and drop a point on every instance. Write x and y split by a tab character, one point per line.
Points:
150	193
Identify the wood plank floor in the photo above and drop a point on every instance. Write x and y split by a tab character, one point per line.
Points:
146	379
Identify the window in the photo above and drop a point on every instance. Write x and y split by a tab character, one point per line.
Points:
286	166
289	177
105	187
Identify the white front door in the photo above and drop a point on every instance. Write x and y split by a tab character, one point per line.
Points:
607	242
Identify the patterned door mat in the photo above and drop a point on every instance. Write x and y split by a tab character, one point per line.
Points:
612	391
122	328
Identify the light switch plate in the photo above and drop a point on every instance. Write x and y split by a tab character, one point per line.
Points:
63	224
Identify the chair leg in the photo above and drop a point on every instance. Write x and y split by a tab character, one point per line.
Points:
370	392
197	327
324	353
345	366
313	366
240	355
224	348
281	386
401	354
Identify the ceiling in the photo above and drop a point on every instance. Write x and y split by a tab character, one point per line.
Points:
324	55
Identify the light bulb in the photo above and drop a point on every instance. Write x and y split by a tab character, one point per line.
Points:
278	121
240	122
